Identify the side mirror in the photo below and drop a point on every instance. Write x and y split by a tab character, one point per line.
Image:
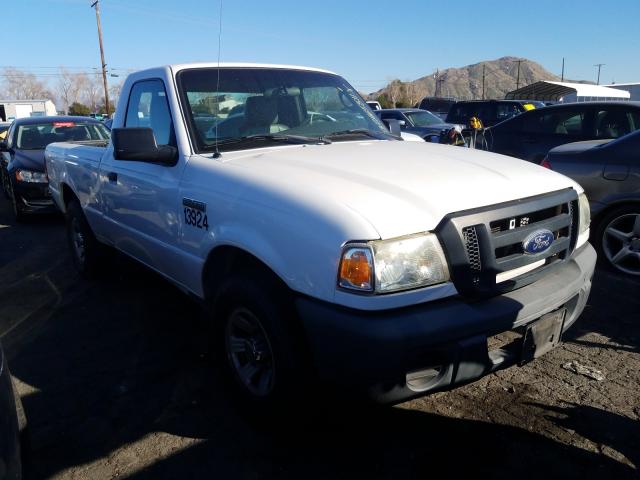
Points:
139	145
3	146
402	123
393	125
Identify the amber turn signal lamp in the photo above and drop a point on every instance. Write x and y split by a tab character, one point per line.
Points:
356	269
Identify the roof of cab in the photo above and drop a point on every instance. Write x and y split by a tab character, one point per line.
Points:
184	66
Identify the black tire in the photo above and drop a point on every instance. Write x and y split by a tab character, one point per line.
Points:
18	213
264	300
87	253
5	188
621	219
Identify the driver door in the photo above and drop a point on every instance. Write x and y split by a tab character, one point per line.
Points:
139	198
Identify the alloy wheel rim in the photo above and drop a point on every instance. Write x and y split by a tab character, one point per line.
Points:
621	243
249	352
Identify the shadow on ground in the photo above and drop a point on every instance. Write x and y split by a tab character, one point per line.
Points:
113	366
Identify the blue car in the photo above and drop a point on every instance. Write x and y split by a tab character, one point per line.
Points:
22	167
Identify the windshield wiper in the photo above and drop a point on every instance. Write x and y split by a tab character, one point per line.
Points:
355	132
270	137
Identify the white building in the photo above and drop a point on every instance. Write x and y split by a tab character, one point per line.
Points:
12	109
632	88
567	92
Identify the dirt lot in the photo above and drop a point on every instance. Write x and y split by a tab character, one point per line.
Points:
116	383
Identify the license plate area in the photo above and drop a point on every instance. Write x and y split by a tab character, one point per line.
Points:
542	335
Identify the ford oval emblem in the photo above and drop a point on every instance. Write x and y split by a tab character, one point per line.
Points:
538	242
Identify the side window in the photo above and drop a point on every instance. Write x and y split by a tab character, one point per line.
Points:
558	122
148	107
506	110
614	123
634	120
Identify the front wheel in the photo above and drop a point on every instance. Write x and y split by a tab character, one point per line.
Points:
16	207
618	239
86	251
260	347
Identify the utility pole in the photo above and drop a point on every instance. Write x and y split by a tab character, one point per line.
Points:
599	65
96	4
437	79
562	76
483	69
518	77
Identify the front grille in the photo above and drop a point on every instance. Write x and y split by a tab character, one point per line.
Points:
484	245
472	246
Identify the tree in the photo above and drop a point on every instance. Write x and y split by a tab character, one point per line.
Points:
77	108
68	87
114	93
395	92
21	85
92	91
103	110
384	101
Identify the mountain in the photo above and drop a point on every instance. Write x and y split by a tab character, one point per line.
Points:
466	82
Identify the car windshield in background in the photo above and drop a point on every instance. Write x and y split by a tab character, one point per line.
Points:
38	136
423	119
254	106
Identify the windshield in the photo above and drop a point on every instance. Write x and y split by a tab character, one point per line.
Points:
423	119
38	136
254	102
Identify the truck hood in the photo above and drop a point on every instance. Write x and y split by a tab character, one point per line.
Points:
400	188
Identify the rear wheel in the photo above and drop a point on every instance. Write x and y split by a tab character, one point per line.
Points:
618	239
86	251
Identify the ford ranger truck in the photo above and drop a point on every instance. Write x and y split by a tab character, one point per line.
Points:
323	246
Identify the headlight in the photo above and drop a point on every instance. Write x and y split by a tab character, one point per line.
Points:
31	177
584	220
392	265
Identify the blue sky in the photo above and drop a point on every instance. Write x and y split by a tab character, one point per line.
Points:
368	42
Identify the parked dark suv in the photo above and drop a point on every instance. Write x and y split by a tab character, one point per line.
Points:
531	135
439	106
490	112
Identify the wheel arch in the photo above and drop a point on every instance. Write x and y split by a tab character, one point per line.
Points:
224	260
602	213
66	195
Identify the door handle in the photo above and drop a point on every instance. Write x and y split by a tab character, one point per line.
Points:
112	176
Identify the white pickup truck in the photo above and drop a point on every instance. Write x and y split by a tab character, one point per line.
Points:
324	247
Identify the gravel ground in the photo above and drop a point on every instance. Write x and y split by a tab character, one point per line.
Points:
115	383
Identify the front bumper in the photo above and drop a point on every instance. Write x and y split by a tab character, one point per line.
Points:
34	197
375	351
